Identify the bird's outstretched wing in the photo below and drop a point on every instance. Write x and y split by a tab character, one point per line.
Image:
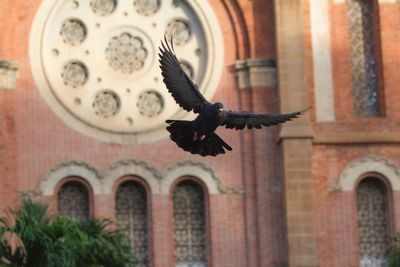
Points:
181	87
240	120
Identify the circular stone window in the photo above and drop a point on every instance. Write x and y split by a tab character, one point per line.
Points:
96	62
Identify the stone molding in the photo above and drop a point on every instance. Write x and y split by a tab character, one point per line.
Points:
131	167
371	164
198	170
255	73
69	169
159	182
8	75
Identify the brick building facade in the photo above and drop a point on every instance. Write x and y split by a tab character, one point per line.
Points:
318	191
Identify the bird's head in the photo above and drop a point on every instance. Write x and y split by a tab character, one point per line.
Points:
218	107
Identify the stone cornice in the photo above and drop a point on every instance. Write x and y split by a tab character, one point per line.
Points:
253	73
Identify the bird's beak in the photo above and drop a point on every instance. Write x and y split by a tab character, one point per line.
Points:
221	109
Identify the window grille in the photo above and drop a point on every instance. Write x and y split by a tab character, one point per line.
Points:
131	212
373	222
73	200
189	226
364	65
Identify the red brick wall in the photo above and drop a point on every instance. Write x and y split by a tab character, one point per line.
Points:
350	137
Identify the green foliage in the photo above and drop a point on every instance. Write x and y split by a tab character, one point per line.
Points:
30	238
393	254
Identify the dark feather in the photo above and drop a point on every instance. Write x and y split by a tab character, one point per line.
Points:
181	87
239	120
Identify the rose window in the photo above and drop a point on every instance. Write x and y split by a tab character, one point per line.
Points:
126	53
96	62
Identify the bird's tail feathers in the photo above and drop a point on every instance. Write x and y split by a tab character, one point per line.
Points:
182	133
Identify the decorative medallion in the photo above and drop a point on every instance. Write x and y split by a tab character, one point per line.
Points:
179	31
146	7
106	103
74	74
150	103
73	31
103	7
107	52
125	53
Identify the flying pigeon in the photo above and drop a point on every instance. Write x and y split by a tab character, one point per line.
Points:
198	136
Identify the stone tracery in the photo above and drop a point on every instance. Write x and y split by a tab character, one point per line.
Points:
112	44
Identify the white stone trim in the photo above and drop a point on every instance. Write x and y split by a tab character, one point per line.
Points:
322	61
70	169
131	167
188	168
355	169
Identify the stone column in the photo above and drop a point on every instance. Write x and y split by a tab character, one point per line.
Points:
8	75
296	136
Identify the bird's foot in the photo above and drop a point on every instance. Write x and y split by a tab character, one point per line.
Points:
196	137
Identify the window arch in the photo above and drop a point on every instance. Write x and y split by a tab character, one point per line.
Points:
373	221
132	216
73	200
365	58
189	225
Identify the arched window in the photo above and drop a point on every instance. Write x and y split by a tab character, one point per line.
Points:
73	200
364	49
131	213
373	221
189	225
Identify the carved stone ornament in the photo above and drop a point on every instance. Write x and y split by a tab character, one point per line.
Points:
103	7
106	103
126	53
96	62
74	74
73	31
150	103
147	7
179	31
